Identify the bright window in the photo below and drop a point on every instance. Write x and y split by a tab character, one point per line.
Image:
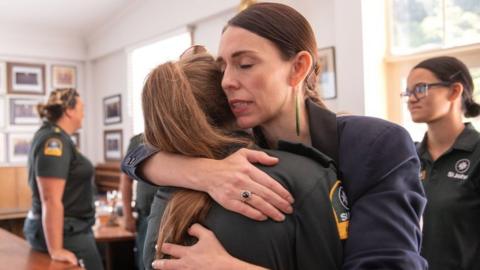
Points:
146	58
420	25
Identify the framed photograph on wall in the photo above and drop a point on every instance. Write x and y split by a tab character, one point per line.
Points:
112	109
18	147
23	111
76	139
327	78
3	111
64	77
25	78
112	145
3	78
3	148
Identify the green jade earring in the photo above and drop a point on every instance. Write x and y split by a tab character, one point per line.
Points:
297	116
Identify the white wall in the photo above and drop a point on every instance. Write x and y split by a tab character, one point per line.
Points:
108	76
349	57
209	31
31	41
149	19
374	49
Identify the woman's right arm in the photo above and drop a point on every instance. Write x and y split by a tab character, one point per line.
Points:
51	192
227	179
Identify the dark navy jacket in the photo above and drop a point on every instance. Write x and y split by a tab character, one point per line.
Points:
380	171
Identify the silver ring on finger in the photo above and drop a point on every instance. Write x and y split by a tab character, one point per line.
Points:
245	195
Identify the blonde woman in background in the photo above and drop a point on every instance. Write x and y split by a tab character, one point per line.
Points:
60	177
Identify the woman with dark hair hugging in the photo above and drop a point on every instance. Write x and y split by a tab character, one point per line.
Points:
186	112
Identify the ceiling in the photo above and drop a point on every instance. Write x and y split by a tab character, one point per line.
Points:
77	16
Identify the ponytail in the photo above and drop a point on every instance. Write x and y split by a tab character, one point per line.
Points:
472	108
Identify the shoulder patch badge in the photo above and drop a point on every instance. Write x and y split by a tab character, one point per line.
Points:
341	211
53	147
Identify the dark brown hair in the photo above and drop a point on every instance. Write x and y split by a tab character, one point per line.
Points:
58	101
288	30
451	70
186	112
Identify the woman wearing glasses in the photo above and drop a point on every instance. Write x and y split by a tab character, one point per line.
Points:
268	55
60	177
440	93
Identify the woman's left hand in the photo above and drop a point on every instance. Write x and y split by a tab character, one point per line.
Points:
207	253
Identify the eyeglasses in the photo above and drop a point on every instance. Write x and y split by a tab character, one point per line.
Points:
420	90
193	50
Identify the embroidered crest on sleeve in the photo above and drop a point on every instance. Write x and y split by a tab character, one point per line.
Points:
53	147
341	211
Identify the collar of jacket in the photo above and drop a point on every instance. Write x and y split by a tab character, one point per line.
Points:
323	130
466	141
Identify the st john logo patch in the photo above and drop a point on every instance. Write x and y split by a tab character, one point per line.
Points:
53	147
341	210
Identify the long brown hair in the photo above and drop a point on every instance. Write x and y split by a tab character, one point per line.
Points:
288	30
186	112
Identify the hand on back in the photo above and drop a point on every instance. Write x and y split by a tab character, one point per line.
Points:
236	174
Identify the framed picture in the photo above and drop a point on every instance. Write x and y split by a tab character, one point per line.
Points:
64	77
3	78
23	111
112	109
3	111
327	79
76	139
112	146
3	148
18	146
26	78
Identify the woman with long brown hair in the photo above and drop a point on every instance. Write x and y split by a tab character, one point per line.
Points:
186	113
268	57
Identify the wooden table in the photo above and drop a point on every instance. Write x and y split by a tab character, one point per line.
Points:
112	234
11	219
118	243
15	253
13	213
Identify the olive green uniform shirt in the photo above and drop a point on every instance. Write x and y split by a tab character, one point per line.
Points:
53	154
